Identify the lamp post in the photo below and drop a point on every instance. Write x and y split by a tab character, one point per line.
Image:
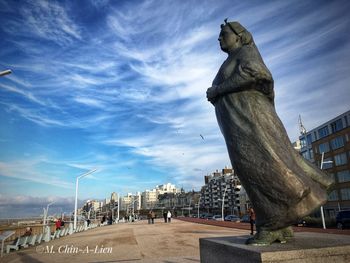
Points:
46	212
322	212
223	203
76	195
5	72
199	201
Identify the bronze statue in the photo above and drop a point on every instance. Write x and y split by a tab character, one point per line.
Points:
282	186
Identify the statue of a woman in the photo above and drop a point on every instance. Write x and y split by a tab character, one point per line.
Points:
282	186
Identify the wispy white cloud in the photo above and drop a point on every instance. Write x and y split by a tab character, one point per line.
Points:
25	170
45	20
28	95
90	102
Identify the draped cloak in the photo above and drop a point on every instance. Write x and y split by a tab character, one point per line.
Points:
282	186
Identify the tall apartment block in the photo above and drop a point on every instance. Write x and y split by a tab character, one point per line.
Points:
218	185
329	145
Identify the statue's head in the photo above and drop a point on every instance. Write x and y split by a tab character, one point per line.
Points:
233	35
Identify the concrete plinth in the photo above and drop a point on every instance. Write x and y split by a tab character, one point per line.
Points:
304	247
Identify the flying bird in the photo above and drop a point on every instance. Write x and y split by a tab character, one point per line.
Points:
201	136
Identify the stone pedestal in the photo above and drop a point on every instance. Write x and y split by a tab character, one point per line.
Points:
304	247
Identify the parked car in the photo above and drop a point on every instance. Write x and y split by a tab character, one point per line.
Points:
232	218
343	219
245	219
205	216
217	217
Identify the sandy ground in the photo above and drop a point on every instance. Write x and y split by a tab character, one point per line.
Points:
177	241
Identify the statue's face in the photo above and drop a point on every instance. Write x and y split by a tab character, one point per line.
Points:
228	40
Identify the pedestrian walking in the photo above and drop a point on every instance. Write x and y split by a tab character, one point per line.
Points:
153	216
169	216
58	224
251	220
165	215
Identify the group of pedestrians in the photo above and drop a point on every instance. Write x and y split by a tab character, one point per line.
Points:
167	217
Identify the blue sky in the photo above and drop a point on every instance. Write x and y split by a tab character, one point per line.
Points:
120	86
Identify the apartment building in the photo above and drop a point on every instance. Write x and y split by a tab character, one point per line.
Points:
218	186
328	146
149	198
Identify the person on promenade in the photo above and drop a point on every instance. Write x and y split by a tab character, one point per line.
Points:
169	216
251	220
58	224
165	215
153	216
28	232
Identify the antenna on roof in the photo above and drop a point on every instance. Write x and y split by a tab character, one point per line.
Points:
301	126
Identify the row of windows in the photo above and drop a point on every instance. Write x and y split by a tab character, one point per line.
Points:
339	159
335	144
344	194
335	126
324	131
343	176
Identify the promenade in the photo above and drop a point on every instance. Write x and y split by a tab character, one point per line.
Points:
177	241
126	242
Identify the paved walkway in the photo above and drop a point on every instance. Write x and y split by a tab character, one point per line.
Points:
134	242
129	242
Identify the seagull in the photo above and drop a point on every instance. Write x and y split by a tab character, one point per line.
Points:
201	136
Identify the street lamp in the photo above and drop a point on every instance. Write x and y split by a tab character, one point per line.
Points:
223	203
5	72
322	213
76	195
116	207
46	212
199	201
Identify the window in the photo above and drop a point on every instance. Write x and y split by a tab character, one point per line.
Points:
345	193
323	132
337	125
346	121
324	147
337	142
333	196
311	154
343	176
302	142
309	139
327	163
340	159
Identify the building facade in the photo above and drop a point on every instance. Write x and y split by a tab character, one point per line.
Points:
131	203
328	146
219	186
150	198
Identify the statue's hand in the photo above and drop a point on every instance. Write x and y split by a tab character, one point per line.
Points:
212	93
